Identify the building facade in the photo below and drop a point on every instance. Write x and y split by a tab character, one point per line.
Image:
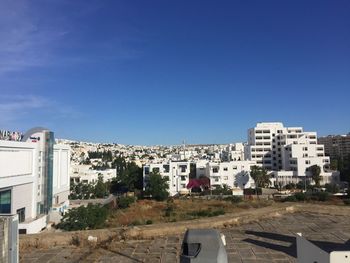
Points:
234	174
85	174
34	179
336	146
287	151
176	173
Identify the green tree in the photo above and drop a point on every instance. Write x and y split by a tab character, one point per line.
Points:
260	177
100	189
129	176
132	177
157	187
82	218
315	171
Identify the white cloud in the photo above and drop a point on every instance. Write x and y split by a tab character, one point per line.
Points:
36	35
13	109
22	43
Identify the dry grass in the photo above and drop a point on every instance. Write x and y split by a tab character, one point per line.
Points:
178	210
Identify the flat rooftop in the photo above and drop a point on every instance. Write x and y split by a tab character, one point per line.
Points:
266	240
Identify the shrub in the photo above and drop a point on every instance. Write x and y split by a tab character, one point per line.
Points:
251	191
218	212
291	198
222	190
331	188
81	218
234	199
75	241
149	222
206	213
346	201
169	209
320	196
125	202
300	196
290	186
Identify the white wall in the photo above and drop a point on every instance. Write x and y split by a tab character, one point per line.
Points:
19	199
61	166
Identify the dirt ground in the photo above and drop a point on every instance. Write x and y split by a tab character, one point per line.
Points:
151	212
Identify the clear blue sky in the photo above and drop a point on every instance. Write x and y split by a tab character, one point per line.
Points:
158	72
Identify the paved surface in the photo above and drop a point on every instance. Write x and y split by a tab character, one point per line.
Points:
270	240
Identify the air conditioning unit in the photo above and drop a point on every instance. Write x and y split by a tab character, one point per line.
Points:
9	238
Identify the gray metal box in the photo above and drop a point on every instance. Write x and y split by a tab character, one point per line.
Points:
204	246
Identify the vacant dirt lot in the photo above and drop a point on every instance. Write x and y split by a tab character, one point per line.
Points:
266	240
150	212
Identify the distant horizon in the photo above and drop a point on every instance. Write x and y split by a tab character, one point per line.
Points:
159	73
179	144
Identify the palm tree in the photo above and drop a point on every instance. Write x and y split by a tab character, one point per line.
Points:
260	177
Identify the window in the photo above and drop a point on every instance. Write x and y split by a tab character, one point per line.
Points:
166	178
146	170
183	168
225	168
234	167
166	168
307	162
183	185
183	178
21	214
215	169
155	170
5	202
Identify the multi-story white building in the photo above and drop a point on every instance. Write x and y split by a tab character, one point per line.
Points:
34	179
177	174
234	174
288	151
84	174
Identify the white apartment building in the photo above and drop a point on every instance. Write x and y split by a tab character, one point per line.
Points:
288	151
233	152
234	174
34	179
84	174
177	174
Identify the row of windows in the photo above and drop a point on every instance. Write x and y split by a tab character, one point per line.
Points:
263	138
265	143
183	169
262	131
260	149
